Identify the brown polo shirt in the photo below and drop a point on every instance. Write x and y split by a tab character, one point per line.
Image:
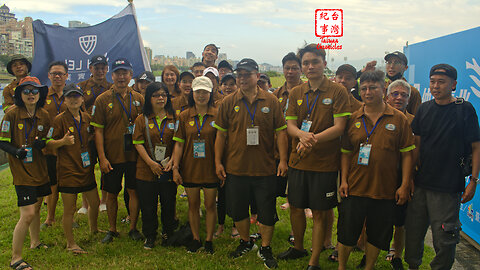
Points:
234	118
332	102
392	136
109	114
415	98
409	117
282	94
70	169
91	90
197	170
180	104
355	104
8	93
16	124
161	133
218	96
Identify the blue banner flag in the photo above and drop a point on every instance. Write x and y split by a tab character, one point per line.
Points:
114	38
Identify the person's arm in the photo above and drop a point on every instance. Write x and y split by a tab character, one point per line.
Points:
105	165
68	139
472	186
154	166
334	131
219	148
345	161
177	156
402	193
282	144
307	139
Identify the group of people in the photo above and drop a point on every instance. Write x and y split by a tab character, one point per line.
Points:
361	141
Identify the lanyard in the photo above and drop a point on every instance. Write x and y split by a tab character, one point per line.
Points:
56	105
203	122
158	128
310	109
30	131
79	128
365	126
252	116
93	92
129	114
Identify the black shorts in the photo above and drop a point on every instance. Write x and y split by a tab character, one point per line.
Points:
281	189
239	193
399	214
27	195
314	190
112	181
204	185
377	215
52	168
76	190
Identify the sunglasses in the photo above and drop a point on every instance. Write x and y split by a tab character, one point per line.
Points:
30	91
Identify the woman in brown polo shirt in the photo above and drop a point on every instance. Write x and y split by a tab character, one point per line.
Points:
194	163
75	167
152	138
170	77
23	133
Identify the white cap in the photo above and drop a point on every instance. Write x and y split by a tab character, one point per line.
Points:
213	70
202	83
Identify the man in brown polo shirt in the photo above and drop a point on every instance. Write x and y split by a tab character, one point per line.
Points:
250	118
377	140
57	74
346	75
316	117
18	66
113	117
97	83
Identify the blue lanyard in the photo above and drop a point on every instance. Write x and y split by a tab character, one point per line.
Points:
199	129
56	105
158	128
30	131
252	116
129	114
310	109
93	92
79	128
365	126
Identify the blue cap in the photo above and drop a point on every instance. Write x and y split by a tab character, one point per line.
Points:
121	63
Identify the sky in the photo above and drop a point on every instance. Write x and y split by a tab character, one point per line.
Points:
267	30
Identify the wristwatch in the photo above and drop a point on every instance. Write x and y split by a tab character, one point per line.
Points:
473	178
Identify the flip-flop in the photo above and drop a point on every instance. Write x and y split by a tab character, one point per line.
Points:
41	246
17	265
235	235
285	206
390	255
334	256
77	251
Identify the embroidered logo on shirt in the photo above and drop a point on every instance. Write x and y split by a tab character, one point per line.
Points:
390	127
265	109
151	126
177	112
20	126
236	108
110	105
49	101
191	123
6	126
299	102
136	103
50	132
358	124
212	123
88	92
93	110
71	129
40	128
327	101
171	125
280	99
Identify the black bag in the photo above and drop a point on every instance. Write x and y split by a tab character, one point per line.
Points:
466	156
181	237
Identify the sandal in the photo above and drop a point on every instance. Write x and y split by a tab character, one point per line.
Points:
17	265
334	256
41	246
390	255
291	239
235	235
77	251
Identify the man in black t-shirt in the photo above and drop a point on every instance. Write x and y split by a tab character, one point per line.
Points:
439	182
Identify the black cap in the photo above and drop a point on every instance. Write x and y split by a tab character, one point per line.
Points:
265	77
447	71
398	54
229	76
225	64
121	63
347	68
72	88
98	59
247	64
21	58
147	76
185	73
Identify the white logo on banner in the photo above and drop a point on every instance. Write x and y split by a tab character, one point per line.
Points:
475	79
88	43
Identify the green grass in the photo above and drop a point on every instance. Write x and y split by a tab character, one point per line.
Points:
123	253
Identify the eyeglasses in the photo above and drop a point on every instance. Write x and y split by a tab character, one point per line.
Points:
244	75
396	94
30	91
394	63
55	74
159	95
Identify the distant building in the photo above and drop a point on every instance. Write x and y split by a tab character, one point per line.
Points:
190	55
72	24
5	14
16	37
222	56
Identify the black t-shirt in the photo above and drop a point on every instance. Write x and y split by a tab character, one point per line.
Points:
440	145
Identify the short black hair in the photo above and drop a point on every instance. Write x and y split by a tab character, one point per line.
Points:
191	101
199	64
373	76
152	88
58	63
312	48
291	57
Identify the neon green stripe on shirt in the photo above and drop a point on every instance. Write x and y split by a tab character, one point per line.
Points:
219	127
406	149
97	125
178	139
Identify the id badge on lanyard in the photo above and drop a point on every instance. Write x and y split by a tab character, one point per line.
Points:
29	157
306	125
253	136
160	151
199	149
85	159
364	154
130	129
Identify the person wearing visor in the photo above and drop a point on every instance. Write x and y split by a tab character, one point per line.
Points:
194	162
20	67
212	74
23	135
72	135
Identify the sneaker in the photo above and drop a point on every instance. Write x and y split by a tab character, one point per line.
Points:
255	236
149	243
82	211
243	248
194	246
109	237
313	267
135	235
209	247
292	254
102	207
265	253
397	263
